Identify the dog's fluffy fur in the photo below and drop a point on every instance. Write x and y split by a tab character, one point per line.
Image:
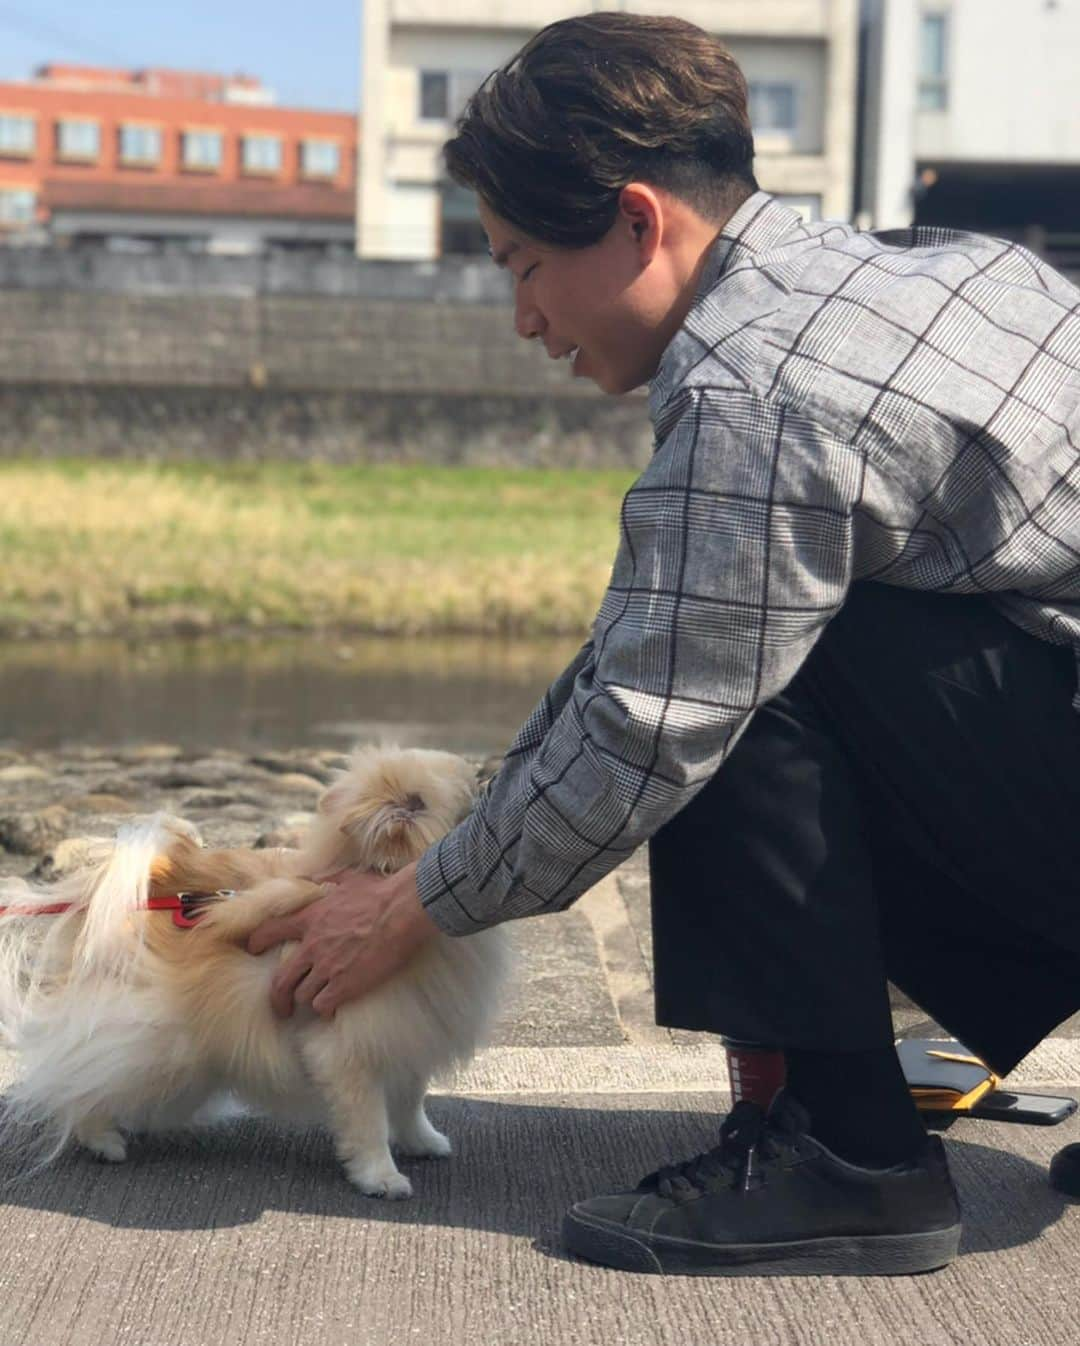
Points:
122	1021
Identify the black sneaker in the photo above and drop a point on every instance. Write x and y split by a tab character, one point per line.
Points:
771	1200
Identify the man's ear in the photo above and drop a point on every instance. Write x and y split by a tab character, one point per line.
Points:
641	214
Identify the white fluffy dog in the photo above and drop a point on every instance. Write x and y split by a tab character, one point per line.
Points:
121	1020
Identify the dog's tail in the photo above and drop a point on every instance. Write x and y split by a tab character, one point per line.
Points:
69	1004
81	925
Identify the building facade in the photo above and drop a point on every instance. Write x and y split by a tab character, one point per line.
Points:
971	118
148	156
423	58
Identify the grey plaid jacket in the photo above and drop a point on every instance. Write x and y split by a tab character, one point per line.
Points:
901	407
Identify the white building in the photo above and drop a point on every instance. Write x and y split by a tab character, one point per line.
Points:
971	117
422	59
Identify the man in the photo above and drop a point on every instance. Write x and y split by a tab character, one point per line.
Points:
832	682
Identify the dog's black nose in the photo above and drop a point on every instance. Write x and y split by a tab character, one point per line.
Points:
414	803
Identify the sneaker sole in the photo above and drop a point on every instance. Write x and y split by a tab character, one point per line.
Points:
850	1255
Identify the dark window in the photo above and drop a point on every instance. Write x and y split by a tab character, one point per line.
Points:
773	107
933	63
434	95
460	228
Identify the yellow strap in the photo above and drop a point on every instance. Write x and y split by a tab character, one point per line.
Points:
955	1056
947	1100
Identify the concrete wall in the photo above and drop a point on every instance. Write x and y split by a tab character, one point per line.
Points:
287	357
95	269
271	340
171	424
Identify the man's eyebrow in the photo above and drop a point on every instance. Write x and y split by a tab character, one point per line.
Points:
501	257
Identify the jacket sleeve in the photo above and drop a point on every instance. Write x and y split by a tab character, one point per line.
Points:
735	550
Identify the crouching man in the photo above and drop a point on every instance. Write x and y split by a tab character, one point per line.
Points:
833	681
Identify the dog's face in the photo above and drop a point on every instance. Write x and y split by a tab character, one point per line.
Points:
392	804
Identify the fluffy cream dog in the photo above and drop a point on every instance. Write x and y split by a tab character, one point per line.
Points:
121	1020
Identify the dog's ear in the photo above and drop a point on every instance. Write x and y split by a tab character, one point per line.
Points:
351	821
335	799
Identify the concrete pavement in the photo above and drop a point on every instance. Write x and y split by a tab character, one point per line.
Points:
248	1233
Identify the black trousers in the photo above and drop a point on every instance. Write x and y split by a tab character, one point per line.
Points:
907	809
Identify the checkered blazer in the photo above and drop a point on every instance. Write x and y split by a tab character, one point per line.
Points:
901	407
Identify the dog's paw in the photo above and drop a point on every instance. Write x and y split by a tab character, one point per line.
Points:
428	1144
107	1144
383	1182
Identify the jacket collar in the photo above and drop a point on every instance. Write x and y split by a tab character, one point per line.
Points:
760	223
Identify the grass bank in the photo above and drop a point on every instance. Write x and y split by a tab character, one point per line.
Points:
105	548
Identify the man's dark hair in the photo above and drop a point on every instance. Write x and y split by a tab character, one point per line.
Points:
589	104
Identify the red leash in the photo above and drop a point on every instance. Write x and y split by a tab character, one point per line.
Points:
185	907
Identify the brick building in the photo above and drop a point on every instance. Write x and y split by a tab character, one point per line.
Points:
204	161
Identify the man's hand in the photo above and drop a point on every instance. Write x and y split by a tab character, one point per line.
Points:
359	934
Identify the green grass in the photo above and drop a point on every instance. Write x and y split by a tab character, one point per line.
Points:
91	547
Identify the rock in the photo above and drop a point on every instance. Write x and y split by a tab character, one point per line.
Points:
291	763
219	829
89	752
70	854
152	752
98	803
208	773
77	766
288	833
297	780
280	838
116	787
246	813
332	760
21	773
32	833
222	799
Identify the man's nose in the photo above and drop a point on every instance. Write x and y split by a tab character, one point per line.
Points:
528	320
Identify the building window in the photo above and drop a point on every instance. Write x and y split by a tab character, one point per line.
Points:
140	144
434	95
320	158
460	230
78	140
933	55
202	149
773	107
17	206
261	154
17	135
444	93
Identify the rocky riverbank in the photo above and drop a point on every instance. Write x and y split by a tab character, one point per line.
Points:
563	994
50	799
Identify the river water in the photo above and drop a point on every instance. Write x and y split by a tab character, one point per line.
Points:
462	694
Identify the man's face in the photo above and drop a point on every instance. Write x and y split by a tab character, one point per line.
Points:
611	307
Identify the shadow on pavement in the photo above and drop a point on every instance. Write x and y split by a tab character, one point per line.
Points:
517	1166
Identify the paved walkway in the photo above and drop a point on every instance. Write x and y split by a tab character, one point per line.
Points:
248	1233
